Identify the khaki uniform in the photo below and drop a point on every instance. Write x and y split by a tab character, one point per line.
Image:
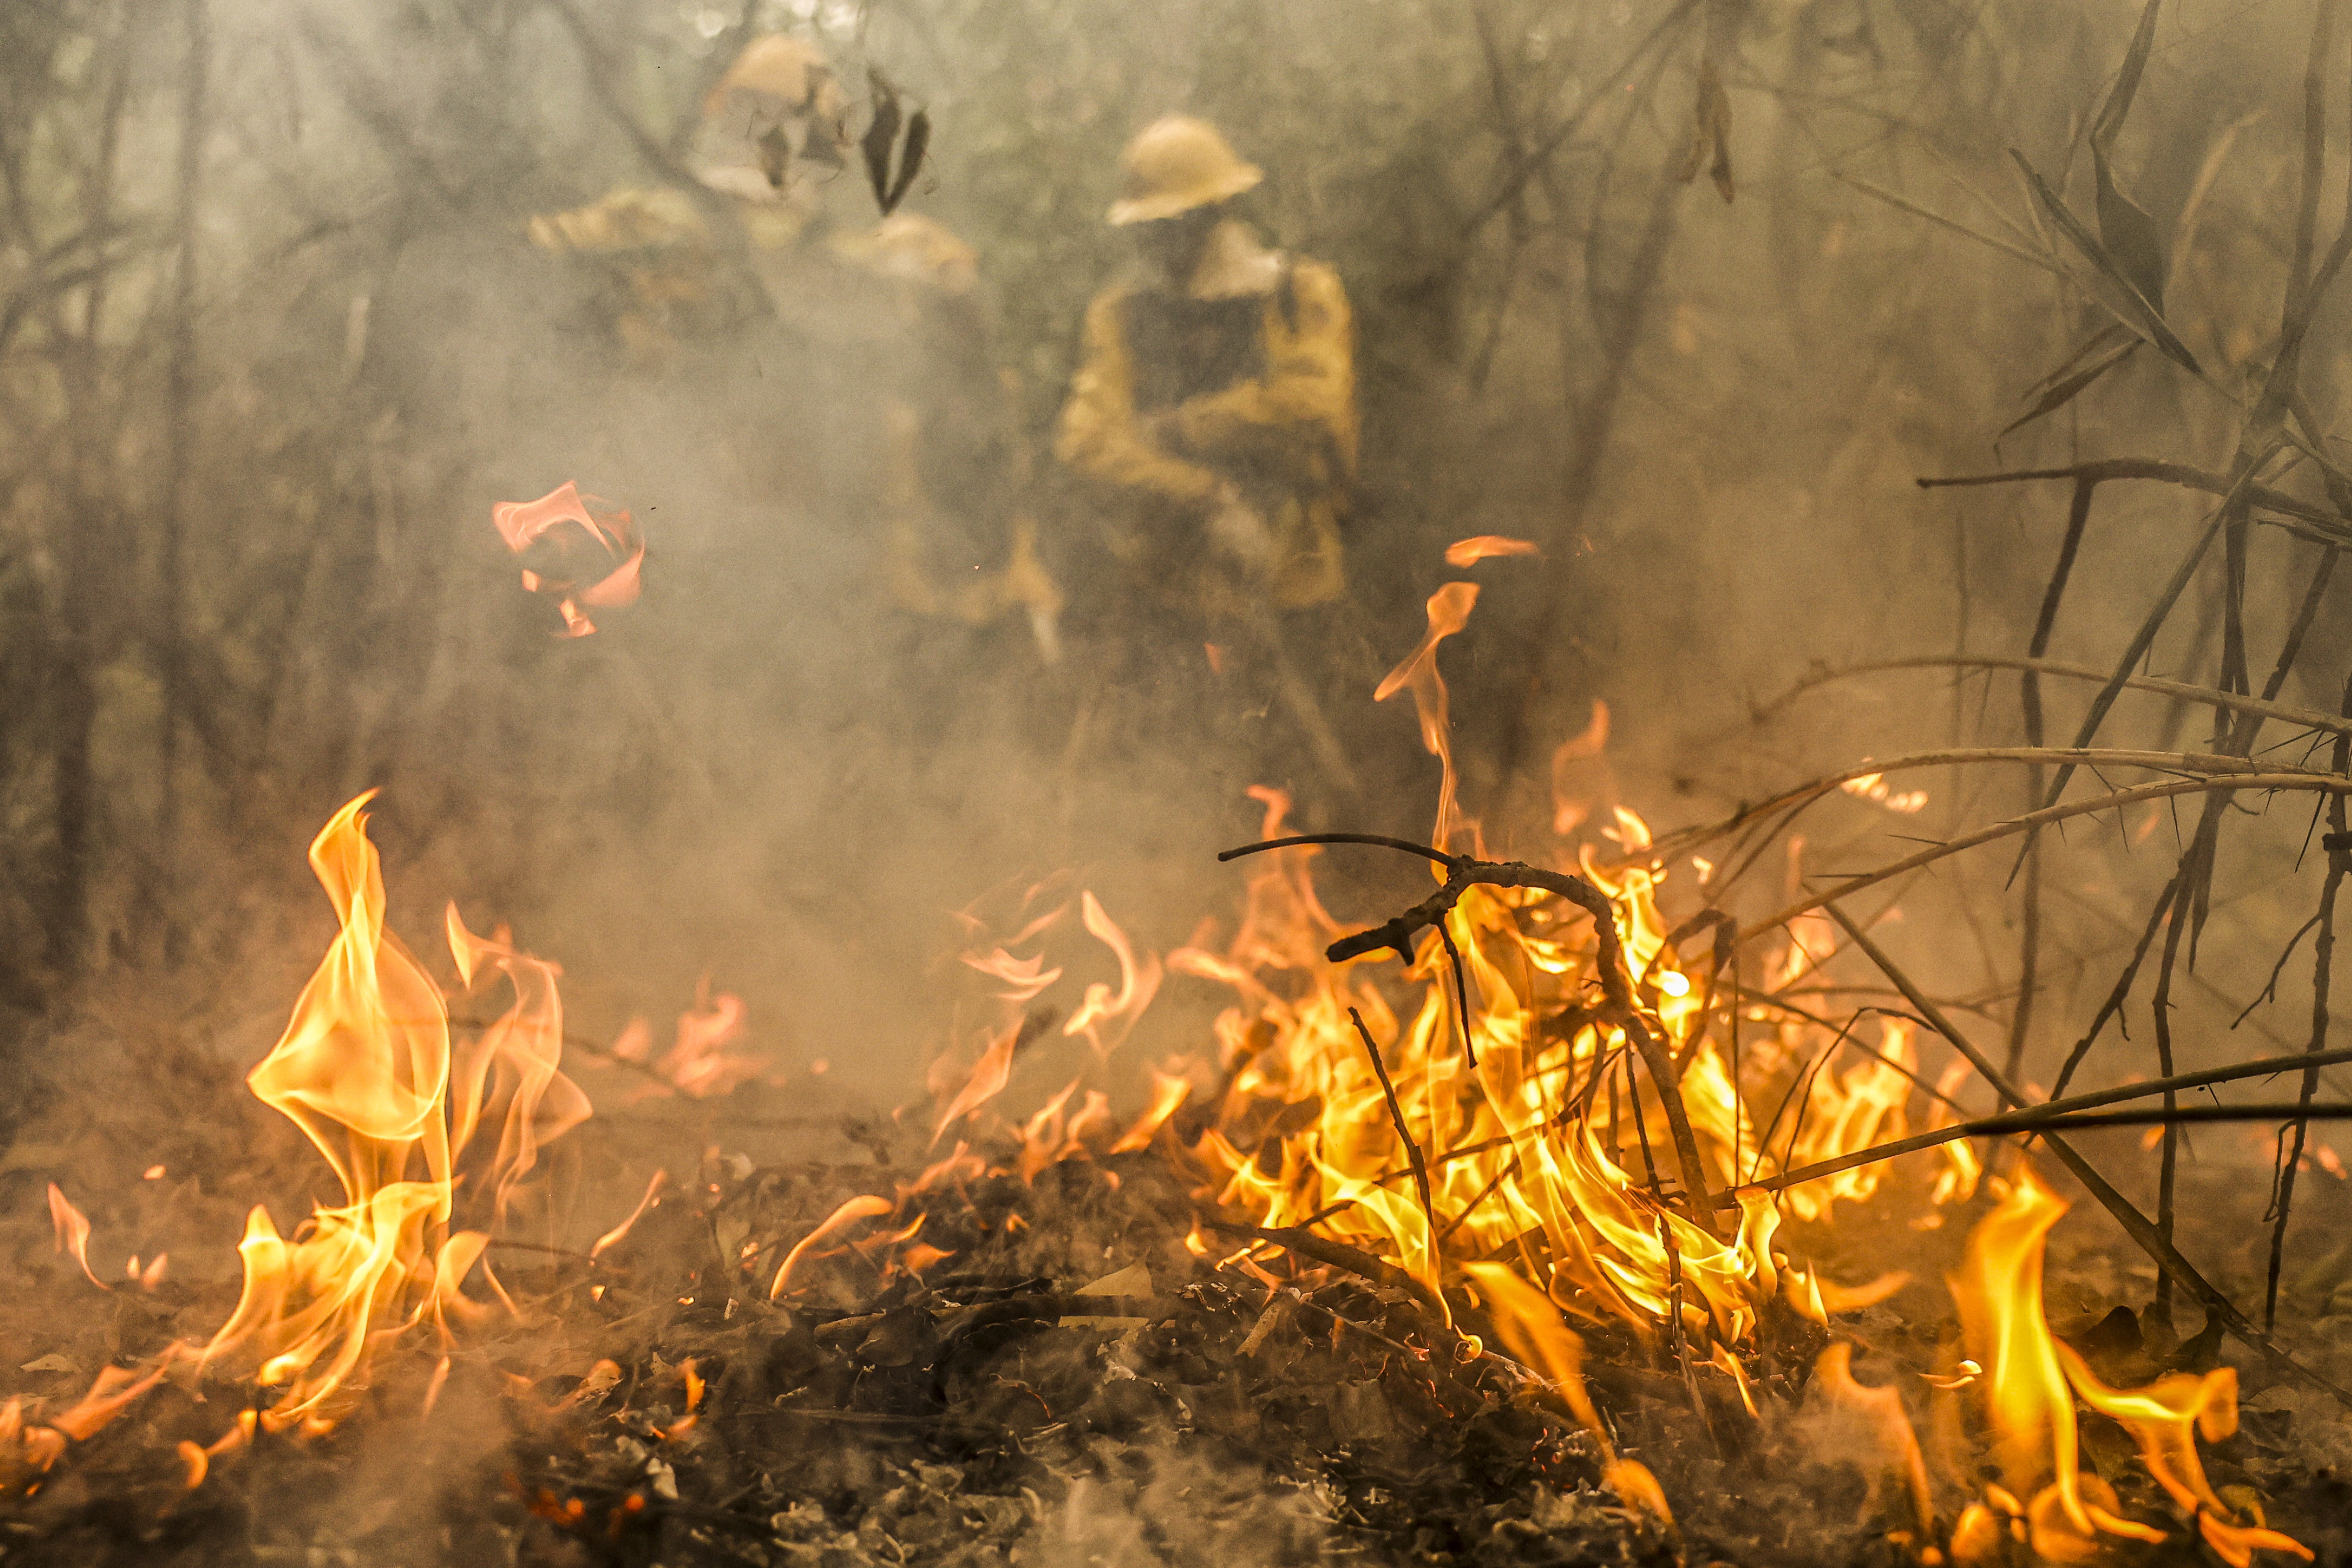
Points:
672	283
1241	388
898	306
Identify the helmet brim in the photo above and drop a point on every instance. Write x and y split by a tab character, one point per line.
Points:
1171	203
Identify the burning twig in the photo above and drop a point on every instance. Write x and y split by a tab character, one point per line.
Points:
2063	1114
2159	1247
1674	845
1396	1114
2323	525
1464	872
2114	1005
1505	1173
1338	1255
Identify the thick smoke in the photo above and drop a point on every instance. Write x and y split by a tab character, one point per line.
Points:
251	544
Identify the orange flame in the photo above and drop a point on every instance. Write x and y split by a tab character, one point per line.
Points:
699	1064
1169	1091
1579	757
366	1069
1882	1413
2166	1418
1462	552
2029	1383
1138	984
989	1077
620	1232
73	1232
847	1214
1027	977
1449	612
1539	1162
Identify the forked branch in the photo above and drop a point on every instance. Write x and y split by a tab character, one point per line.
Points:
1464	872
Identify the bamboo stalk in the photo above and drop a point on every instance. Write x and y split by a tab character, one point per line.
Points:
2305	718
1683	840
2167	1257
2329	783
2338	844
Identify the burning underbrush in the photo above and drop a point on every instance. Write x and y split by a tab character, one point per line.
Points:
1566	1238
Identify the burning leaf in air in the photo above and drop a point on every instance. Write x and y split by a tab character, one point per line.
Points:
575	550
1462	552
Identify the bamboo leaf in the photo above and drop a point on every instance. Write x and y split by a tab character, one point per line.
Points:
2119	97
2105	337
1710	132
880	137
910	160
1891	199
2065	392
2130	235
2136	311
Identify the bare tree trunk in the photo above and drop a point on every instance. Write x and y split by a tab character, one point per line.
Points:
157	897
1623	311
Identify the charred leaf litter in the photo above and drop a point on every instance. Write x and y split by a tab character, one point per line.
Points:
1073	1387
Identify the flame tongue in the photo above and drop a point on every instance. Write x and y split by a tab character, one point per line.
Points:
364	1065
1999	1289
2031	1405
366	1069
1449	611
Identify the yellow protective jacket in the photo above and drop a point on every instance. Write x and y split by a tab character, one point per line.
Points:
674	283
1244	385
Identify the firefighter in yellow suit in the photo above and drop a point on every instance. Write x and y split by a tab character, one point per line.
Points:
772	130
896	306
1214	413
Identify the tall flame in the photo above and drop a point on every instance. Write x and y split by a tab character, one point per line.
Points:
366	1070
1449	612
2028	1388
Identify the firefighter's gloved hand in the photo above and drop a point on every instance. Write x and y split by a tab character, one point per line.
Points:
1239	532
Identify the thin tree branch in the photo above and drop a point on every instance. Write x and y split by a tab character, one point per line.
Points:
2168	1260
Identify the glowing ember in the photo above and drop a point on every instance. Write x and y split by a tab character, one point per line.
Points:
1873	787
1486	547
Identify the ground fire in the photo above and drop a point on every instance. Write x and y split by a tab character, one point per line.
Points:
1465	1186
1294	812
